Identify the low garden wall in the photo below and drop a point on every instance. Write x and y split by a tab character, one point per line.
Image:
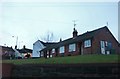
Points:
6	69
89	70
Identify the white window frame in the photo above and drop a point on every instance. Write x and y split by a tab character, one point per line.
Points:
53	50
72	47
87	43
106	43
102	44
62	49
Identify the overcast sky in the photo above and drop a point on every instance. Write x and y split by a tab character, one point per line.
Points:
31	21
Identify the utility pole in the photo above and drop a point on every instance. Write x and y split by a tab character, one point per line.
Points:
16	40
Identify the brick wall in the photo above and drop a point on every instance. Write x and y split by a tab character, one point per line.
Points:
106	35
6	69
92	70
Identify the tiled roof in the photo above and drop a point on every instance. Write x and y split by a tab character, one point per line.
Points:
82	37
25	50
48	43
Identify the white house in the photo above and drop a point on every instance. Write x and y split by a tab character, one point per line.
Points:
38	46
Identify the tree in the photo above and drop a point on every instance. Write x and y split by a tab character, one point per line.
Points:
48	37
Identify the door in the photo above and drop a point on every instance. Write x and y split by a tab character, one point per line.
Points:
56	52
81	49
102	44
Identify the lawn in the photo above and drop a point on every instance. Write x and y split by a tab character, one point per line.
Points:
68	60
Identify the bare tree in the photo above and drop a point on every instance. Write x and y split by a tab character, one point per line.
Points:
48	37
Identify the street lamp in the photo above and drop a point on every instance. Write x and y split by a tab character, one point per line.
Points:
16	40
20	44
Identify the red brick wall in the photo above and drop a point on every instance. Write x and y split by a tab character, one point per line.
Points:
66	50
87	50
95	46
105	35
77	49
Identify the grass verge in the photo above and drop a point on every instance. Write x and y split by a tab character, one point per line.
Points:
68	60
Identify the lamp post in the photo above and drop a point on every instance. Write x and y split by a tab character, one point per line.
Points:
16	41
19	45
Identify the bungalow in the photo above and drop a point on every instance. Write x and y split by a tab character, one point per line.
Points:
99	41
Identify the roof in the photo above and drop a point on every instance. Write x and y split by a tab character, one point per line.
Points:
82	37
25	50
7	48
48	43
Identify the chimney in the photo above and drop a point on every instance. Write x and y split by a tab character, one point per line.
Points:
24	47
15	46
60	39
74	32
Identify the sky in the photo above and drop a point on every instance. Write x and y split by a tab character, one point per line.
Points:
30	21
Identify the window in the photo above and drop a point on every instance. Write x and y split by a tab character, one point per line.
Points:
62	49
87	43
102	44
110	45
72	47
53	50
106	43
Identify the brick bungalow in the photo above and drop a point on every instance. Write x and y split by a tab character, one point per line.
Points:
99	41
